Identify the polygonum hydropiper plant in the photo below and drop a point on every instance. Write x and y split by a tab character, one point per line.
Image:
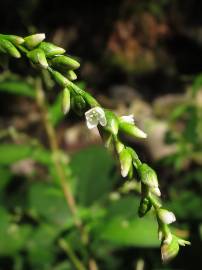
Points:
45	55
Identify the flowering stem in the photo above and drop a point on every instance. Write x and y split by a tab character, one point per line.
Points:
67	248
47	56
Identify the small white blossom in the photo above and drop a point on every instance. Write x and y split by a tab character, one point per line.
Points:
128	118
94	117
166	216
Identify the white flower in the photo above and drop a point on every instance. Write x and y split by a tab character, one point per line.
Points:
94	117
166	216
128	119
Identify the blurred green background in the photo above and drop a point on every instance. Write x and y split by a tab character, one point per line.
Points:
137	57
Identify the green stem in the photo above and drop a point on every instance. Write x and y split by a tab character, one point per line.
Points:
67	248
59	168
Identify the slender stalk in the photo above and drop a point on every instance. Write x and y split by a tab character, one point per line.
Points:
67	248
61	174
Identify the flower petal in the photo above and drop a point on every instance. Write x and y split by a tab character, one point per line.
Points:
101	116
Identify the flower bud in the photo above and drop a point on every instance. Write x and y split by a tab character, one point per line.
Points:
34	40
119	146
65	100
64	62
38	57
169	251
112	122
71	75
131	129
130	173
50	49
145	206
16	40
58	77
166	216
107	139
136	161
7	47
78	104
168	238
126	162
148	175
156	191
128	119
91	101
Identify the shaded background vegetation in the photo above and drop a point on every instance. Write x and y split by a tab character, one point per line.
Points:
141	57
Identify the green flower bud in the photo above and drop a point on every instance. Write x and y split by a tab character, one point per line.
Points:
169	251
107	139
37	56
78	104
66	100
119	146
91	101
130	173
131	129
148	175
50	49
112	122
71	75
126	161
145	206
58	77
7	47
34	40
136	161
16	40
64	62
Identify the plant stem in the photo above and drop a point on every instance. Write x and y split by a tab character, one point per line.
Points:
60	172
67	248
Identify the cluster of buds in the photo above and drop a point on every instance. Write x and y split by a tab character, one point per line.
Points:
150	192
8	45
45	55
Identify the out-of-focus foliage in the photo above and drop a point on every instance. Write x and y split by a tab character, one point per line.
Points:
153	46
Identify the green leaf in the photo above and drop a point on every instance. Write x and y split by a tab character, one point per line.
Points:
93	171
11	153
186	205
5	176
122	227
17	87
48	202
63	266
12	236
41	247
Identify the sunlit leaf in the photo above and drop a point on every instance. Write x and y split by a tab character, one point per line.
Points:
123	227
17	87
93	169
